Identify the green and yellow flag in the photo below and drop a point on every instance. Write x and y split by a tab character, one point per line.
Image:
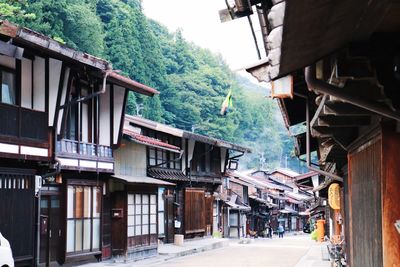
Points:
227	104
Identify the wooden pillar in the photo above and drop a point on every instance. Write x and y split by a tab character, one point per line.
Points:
390	189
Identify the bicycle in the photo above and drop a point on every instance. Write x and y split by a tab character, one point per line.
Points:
337	254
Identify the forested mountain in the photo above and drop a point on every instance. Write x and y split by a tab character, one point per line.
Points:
193	81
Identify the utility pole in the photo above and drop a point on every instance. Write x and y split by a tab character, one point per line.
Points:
139	107
262	161
286	161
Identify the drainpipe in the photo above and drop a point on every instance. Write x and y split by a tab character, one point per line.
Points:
324	88
102	91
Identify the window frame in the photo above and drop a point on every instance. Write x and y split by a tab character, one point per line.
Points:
82	219
142	214
156	156
16	85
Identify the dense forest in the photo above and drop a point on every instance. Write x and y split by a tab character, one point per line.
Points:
193	81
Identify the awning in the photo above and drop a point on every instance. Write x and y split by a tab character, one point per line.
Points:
287	210
304	213
167	174
277	197
258	199
237	206
141	180
232	203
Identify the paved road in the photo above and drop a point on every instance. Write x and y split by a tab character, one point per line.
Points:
284	252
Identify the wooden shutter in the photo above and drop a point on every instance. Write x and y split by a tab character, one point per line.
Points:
194	210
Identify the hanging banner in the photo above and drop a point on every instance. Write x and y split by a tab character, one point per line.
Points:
334	196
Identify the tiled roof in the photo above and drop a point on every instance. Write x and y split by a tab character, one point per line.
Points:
146	140
167	174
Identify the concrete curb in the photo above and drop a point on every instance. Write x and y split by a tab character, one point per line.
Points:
194	250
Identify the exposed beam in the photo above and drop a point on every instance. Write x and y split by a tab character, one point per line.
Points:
343	121
344	109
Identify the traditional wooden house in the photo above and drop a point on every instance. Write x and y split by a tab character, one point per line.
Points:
190	207
236	207
284	175
137	205
347	97
62	114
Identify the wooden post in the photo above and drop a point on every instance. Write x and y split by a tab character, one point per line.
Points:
390	190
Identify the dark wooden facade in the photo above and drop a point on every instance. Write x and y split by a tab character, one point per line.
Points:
373	175
365	220
62	114
197	172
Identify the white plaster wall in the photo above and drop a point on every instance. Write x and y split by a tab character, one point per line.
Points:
26	83
39	84
104	133
119	93
54	80
63	98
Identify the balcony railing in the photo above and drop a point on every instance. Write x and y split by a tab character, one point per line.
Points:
74	147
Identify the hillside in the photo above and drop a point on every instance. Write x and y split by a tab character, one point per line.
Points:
193	81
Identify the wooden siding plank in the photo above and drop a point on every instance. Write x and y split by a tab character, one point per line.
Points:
390	197
365	206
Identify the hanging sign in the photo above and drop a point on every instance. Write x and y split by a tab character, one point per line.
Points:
282	88
334	196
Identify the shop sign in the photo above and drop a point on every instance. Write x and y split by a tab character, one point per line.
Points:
334	196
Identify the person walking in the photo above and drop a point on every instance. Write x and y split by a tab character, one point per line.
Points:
280	231
269	230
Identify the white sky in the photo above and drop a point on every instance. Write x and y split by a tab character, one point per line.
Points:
200	23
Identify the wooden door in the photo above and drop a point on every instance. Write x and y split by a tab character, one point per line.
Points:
194	211
50	230
169	218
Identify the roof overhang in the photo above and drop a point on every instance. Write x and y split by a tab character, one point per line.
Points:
151	142
215	142
29	38
142	180
132	84
140	121
302	32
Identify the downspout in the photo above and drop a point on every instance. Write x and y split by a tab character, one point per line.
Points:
102	91
57	160
324	88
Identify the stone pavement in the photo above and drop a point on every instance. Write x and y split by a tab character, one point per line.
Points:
292	250
169	251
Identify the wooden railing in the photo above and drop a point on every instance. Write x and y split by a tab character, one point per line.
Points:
66	146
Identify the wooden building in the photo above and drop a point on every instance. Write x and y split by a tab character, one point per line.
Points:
137	206
62	114
190	207
340	63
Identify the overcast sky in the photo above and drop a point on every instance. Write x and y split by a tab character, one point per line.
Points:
200	23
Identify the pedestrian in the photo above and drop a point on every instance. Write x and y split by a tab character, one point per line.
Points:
280	231
269	230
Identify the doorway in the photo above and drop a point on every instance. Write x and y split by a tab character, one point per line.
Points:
50	230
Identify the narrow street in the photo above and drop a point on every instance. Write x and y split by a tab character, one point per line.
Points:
285	252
